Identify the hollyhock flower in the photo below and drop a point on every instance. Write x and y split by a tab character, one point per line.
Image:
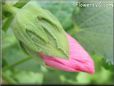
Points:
40	31
79	60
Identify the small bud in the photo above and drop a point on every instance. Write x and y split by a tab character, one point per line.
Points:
38	30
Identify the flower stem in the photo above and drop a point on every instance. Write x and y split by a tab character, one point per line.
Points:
17	63
10	8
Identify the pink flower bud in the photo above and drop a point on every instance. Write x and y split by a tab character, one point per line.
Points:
79	60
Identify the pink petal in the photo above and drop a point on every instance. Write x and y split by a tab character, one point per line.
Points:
79	59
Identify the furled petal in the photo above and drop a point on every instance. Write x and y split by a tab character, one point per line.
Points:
79	60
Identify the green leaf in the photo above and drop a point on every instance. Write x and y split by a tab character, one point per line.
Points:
22	77
94	30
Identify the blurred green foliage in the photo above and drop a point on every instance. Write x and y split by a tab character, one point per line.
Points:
94	30
62	10
20	68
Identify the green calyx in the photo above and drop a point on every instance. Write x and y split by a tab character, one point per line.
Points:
39	31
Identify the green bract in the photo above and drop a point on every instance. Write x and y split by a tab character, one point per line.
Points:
39	31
